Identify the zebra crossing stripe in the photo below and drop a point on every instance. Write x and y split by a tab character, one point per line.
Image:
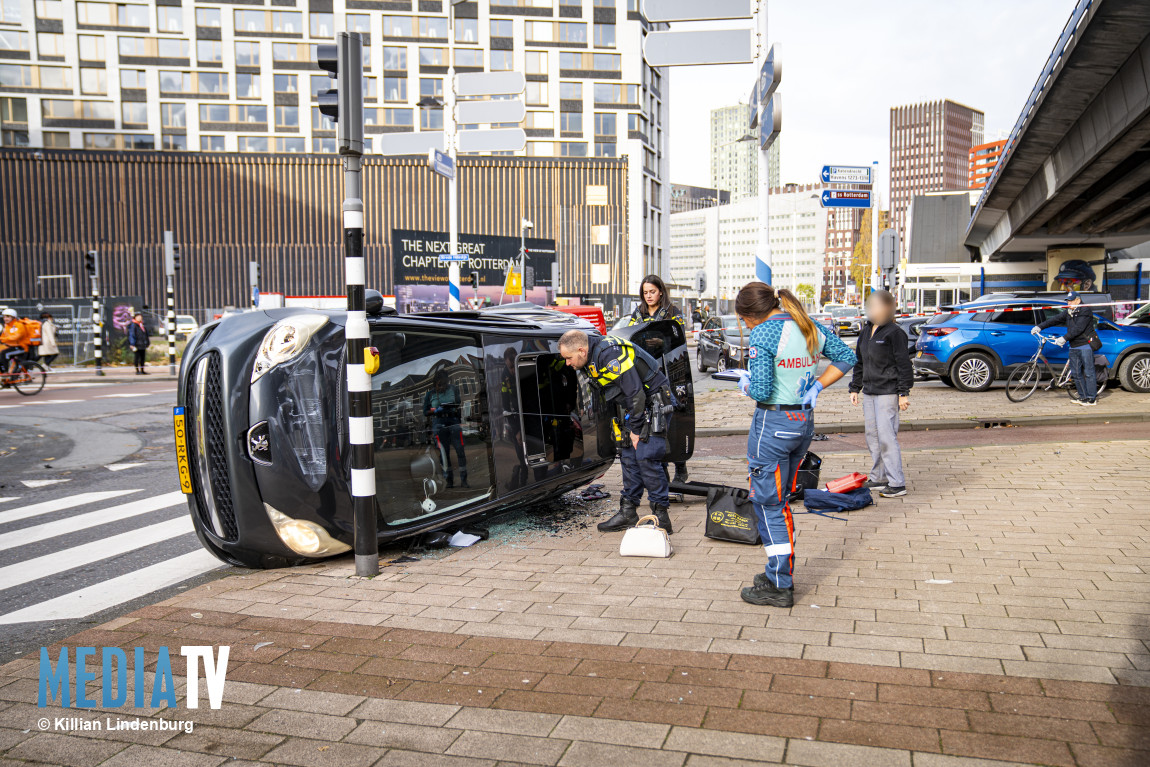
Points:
124	588
15	515
91	519
94	551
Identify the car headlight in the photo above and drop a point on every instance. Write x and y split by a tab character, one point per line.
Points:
286	339
304	537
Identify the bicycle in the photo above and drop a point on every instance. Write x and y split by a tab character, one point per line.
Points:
1024	379
28	379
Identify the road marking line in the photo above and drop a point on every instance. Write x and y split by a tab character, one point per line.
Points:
94	551
107	396
54	401
60	504
42	482
91	519
124	588
122	466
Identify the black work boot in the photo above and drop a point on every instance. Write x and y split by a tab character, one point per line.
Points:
625	517
766	594
680	472
664	518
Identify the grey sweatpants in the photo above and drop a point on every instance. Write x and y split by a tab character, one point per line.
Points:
880	413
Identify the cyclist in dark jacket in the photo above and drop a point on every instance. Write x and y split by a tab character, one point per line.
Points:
1079	322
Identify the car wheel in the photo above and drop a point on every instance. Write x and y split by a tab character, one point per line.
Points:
1134	373
947	380
699	362
972	372
722	364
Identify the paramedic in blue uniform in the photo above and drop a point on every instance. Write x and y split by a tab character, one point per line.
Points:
785	347
634	385
655	304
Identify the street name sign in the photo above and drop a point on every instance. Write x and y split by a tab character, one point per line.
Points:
845	198
489	83
501	111
492	140
441	163
410	143
708	46
770	75
846	174
696	10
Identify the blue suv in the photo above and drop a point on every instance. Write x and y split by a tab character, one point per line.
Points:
971	351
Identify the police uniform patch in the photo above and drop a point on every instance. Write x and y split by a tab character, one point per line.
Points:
615	367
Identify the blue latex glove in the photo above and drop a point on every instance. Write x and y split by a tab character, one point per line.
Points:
744	382
812	396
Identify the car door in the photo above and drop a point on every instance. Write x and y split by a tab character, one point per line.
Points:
1008	334
709	343
666	342
1055	354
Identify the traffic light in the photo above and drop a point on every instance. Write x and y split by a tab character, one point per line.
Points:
176	257
90	263
254	272
344	103
475	280
700	281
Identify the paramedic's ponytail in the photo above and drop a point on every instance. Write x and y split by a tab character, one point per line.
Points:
792	306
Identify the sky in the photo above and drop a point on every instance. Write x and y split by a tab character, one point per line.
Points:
846	63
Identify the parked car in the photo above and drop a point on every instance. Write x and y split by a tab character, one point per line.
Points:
1056	296
262	426
1140	316
911	326
826	319
722	343
847	320
970	351
186	325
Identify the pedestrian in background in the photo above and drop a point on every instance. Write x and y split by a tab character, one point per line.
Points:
884	375
655	304
49	341
138	342
1079	322
785	347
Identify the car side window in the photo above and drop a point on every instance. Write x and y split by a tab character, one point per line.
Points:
1014	317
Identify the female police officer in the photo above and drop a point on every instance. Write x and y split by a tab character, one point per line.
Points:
785	346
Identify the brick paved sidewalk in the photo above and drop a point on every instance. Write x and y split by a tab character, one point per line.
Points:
992	614
720	406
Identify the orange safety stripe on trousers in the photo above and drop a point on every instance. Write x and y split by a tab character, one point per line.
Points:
787	516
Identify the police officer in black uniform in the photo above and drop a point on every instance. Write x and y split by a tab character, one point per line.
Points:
632	382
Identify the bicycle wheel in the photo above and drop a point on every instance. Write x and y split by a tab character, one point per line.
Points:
1022	382
34	383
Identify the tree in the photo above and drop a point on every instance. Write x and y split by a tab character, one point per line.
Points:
806	293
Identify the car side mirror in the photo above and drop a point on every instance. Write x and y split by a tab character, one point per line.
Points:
373	302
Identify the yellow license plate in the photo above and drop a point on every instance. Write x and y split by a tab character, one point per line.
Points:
182	464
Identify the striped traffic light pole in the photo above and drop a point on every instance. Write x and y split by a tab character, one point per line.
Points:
171	327
97	324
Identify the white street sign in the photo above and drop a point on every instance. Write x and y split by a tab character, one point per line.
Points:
710	46
492	140
696	10
846	174
502	111
410	143
489	83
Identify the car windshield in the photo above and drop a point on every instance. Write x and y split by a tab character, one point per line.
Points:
846	311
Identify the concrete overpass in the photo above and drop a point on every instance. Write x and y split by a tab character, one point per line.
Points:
1075	175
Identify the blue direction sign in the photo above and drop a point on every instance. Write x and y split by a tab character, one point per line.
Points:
846	174
441	163
845	198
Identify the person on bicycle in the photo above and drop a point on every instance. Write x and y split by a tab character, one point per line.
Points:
13	340
1079	322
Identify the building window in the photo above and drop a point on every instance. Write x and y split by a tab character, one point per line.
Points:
604	35
169	19
358	22
91	48
208	51
539	31
57	140
571	91
10	11
468	57
50	44
135	114
253	143
540	120
572	32
10	137
13	111
572	149
247	86
395	89
212	144
174	143
432	57
320	121
285	83
173	116
536	62
14	40
502	61
323	145
132	79
322	25
466	30
247	54
292	144
45	9
430	119
571	122
536	94
605	124
208	17
370	88
94	82
287	117
501	28
394	58
430	86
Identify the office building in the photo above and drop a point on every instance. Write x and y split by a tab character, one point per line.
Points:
983	158
734	161
685	197
929	152
842	234
239	76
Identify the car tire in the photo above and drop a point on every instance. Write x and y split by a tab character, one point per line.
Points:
947	380
973	372
699	362
1134	373
723	363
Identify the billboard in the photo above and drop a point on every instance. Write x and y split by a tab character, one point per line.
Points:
419	278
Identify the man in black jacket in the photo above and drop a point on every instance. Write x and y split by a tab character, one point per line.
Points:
1079	322
884	375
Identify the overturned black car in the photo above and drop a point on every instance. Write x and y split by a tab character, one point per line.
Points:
473	412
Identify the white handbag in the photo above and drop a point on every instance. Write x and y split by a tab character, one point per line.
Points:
645	540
